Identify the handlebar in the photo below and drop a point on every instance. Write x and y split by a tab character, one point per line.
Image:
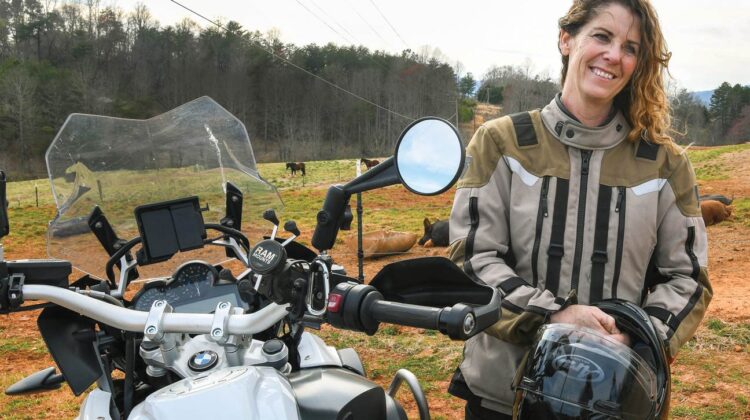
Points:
350	306
132	320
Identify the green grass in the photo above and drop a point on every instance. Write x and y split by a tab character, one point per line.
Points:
736	333
705	161
707	155
724	412
13	344
742	210
702	368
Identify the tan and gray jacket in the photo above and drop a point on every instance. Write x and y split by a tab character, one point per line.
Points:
549	209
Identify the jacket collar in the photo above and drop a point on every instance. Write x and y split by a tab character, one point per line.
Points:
566	128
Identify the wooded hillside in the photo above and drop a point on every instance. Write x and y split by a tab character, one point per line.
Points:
77	58
58	58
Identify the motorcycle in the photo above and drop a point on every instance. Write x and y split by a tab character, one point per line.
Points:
220	326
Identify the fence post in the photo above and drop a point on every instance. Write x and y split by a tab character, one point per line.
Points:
36	192
99	185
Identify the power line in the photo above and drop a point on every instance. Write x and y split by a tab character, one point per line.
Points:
333	85
335	21
368	24
389	23
377	59
324	22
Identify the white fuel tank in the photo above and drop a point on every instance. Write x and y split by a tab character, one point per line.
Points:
246	392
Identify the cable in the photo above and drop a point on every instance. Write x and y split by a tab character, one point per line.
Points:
333	85
325	23
335	21
368	24
389	23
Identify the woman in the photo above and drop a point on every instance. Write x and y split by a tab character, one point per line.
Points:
566	206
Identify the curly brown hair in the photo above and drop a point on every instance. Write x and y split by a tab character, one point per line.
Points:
643	101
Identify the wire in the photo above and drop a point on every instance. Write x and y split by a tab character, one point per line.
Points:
389	23
335	21
325	23
333	85
368	24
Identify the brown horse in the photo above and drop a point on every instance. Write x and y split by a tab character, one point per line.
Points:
296	166
370	162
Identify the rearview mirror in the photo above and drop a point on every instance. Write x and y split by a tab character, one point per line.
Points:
429	156
429	159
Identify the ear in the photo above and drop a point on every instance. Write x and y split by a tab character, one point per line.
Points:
426	224
564	42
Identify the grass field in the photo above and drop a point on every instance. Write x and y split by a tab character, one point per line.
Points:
711	374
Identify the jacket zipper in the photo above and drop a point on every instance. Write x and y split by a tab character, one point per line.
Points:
619	208
620	195
585	160
543	213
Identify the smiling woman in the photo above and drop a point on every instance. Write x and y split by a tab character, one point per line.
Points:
564	209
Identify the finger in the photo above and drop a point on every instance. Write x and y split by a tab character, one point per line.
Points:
622	338
607	322
596	324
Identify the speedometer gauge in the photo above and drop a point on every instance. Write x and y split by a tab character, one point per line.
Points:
150	293
192	280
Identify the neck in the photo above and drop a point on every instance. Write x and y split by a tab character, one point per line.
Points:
588	113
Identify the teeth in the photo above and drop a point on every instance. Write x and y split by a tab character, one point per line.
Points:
602	73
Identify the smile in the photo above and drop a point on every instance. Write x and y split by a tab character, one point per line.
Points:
602	73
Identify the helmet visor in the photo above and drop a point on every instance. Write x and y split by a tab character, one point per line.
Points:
577	369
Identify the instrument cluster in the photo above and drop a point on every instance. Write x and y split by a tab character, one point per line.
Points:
194	287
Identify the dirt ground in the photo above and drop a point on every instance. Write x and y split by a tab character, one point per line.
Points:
729	244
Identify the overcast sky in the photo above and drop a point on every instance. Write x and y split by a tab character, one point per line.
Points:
709	39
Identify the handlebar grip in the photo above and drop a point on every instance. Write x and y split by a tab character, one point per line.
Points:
361	307
406	314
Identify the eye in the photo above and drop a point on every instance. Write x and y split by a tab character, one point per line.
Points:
601	37
631	49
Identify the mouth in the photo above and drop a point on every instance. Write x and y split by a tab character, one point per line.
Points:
602	74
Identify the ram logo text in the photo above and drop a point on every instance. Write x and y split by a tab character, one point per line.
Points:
264	255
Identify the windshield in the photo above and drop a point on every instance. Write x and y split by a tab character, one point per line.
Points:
119	164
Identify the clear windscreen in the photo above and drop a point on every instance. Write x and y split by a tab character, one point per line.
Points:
119	164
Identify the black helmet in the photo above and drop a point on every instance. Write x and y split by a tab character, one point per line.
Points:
573	372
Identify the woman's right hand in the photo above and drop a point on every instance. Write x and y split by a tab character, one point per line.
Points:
586	316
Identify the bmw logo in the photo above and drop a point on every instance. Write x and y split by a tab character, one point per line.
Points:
203	360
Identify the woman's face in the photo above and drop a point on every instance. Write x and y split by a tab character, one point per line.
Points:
601	57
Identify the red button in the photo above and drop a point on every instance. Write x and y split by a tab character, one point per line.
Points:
334	302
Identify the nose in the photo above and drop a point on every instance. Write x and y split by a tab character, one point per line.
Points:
614	53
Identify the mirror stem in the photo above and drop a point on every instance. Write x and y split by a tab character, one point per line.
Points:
380	176
360	252
330	218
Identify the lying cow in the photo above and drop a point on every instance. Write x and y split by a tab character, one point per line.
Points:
382	243
714	211
435	234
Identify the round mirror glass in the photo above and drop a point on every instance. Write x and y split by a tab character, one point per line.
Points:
429	156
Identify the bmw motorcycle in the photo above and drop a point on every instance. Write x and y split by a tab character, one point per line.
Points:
219	327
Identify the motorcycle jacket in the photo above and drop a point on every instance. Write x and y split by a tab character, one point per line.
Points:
551	212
